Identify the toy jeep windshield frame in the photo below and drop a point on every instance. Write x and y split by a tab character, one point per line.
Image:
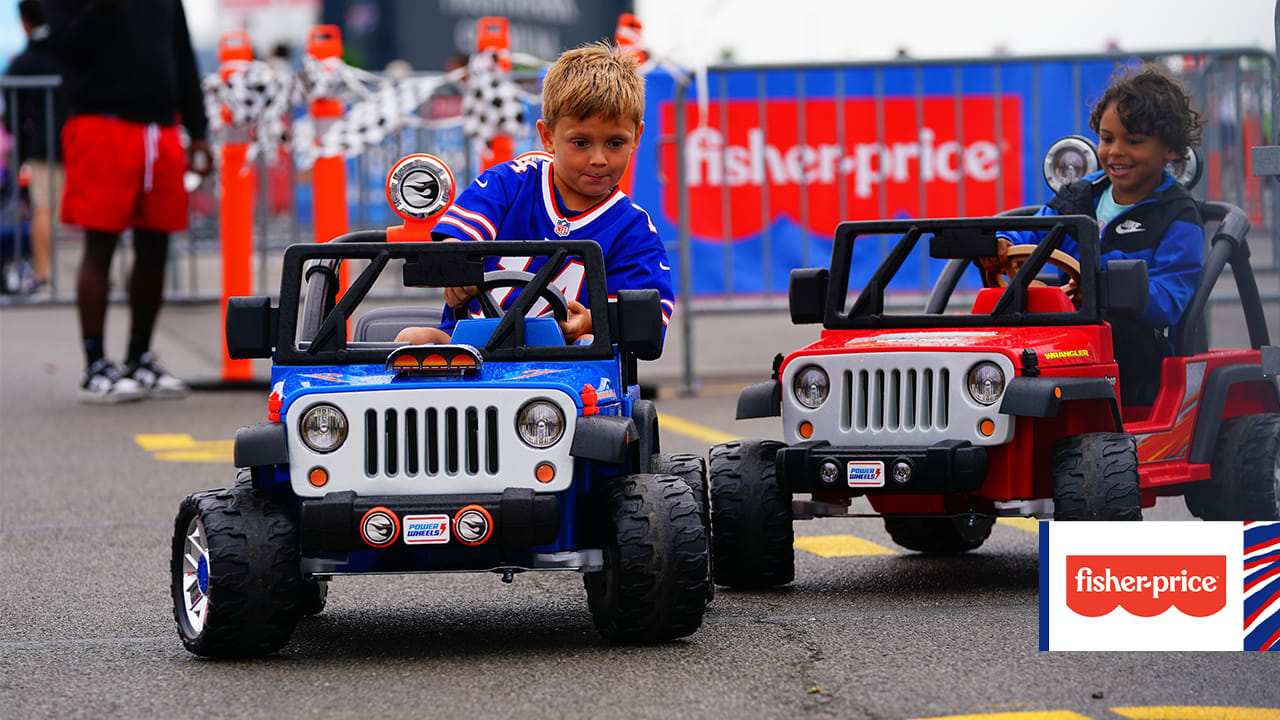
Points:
819	294
311	330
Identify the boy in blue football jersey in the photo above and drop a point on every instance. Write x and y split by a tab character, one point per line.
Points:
592	120
1144	120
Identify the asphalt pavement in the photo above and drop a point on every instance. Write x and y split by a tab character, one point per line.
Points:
867	630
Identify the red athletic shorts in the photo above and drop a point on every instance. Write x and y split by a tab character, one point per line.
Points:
123	174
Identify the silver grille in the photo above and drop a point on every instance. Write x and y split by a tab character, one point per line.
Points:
432	441
895	399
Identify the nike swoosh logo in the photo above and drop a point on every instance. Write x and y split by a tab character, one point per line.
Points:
664	266
482	184
1126	228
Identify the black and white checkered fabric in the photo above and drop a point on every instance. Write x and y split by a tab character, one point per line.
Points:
492	103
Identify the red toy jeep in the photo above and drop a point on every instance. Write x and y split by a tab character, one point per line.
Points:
947	418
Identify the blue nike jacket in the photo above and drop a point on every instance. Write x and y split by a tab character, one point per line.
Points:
1165	230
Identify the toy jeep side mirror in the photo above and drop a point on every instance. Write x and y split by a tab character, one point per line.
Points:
636	317
1127	288
250	327
807	295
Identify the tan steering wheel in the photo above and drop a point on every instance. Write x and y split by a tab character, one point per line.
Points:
1000	275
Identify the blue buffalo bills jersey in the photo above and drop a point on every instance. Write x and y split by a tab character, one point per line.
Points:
517	201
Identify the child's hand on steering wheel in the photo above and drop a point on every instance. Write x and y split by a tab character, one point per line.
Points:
578	324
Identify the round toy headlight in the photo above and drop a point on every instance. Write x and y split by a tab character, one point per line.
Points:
540	424
986	382
1187	169
1068	160
323	428
811	386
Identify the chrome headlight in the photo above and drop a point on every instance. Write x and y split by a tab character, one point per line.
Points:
1068	160
323	428
811	386
540	424
986	382
1187	169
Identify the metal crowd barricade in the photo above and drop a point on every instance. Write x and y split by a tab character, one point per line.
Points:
13	220
1234	89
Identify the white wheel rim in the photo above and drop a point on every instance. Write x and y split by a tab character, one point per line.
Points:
195	574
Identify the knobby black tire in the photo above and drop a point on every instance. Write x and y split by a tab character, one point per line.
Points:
692	469
653	585
254	574
1095	477
751	516
1244	474
940	535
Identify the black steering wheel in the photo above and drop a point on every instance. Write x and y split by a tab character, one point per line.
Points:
497	279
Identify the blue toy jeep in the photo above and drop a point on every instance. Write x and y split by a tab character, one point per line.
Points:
504	451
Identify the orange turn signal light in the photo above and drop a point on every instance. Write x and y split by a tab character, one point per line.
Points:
806	429
318	476
545	472
986	427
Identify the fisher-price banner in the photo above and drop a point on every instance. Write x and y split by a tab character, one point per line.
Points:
775	159
1160	586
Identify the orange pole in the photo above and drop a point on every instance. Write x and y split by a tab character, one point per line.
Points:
235	211
329	174
492	36
628	37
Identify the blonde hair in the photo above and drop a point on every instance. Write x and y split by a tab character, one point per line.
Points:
593	80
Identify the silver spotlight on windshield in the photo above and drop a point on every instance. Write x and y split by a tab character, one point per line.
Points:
1068	160
1187	169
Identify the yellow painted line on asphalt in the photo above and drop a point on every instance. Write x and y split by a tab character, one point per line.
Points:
829	546
1021	523
181	447
1191	712
1019	715
693	430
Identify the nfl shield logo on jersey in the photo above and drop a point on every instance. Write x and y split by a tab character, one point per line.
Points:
562	227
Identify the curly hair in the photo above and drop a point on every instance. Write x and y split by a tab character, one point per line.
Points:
1152	102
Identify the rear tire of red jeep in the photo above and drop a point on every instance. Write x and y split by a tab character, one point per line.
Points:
1095	477
751	516
1244	477
942	535
234	573
692	469
653	585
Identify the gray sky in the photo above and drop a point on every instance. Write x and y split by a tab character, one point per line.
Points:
695	31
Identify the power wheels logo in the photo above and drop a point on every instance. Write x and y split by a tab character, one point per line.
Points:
1146	585
426	529
866	473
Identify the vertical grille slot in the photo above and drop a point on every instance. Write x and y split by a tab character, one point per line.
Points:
433	441
863	384
491	440
411	441
895	398
944	392
926	399
371	442
451	441
473	441
391	441
846	401
909	400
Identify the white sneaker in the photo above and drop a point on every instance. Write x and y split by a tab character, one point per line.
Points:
155	381
102	384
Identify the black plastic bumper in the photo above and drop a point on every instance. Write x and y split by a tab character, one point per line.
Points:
950	466
521	518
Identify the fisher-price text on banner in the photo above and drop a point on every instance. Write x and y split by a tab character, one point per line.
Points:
1160	586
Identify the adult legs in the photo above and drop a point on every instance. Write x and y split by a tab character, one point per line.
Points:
146	288
92	287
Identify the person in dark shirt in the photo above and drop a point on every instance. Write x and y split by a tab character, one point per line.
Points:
33	132
130	78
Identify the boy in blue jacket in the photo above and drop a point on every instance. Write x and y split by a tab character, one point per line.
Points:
1143	121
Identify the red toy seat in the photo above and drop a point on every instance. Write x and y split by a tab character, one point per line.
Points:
1039	300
